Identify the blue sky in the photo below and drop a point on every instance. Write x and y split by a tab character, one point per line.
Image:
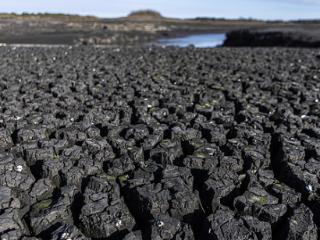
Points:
262	9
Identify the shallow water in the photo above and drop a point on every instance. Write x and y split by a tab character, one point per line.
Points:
198	40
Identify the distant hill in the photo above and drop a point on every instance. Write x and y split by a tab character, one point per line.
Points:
144	15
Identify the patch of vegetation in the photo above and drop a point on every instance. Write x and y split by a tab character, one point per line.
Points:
123	178
43	204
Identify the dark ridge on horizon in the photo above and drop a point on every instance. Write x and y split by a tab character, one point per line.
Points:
147	13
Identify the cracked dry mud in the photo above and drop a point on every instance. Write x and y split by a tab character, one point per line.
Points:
159	143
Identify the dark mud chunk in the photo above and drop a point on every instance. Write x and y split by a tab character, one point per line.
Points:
224	225
71	134
31	133
294	169
165	228
167	152
42	189
220	183
49	212
29	238
255	158
311	144
51	169
260	228
259	203
136	154
180	132
97	148
315	110
232	163
160	114
5	139
104	213
8	198
291	150
120	146
11	224
14	173
234	146
287	195
137	132
56	144
153	200
65	232
152	140
72	176
301	225
204	109
206	158
11	234
143	175
133	236
119	166
104	184
39	154
89	165
266	177
72	153
174	195
214	133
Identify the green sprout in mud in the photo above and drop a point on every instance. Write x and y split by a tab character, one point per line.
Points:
165	143
123	178
217	87
109	177
46	134
56	157
200	155
152	109
262	200
196	143
205	106
43	204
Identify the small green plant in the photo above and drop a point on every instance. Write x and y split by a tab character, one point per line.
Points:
262	200
200	155
109	177
123	178
43	204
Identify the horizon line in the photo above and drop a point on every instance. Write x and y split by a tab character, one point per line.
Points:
168	17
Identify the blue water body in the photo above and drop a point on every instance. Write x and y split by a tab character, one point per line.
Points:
197	40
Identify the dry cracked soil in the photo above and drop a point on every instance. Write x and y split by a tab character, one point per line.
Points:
152	143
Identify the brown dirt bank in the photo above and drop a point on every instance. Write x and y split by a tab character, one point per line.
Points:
71	29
